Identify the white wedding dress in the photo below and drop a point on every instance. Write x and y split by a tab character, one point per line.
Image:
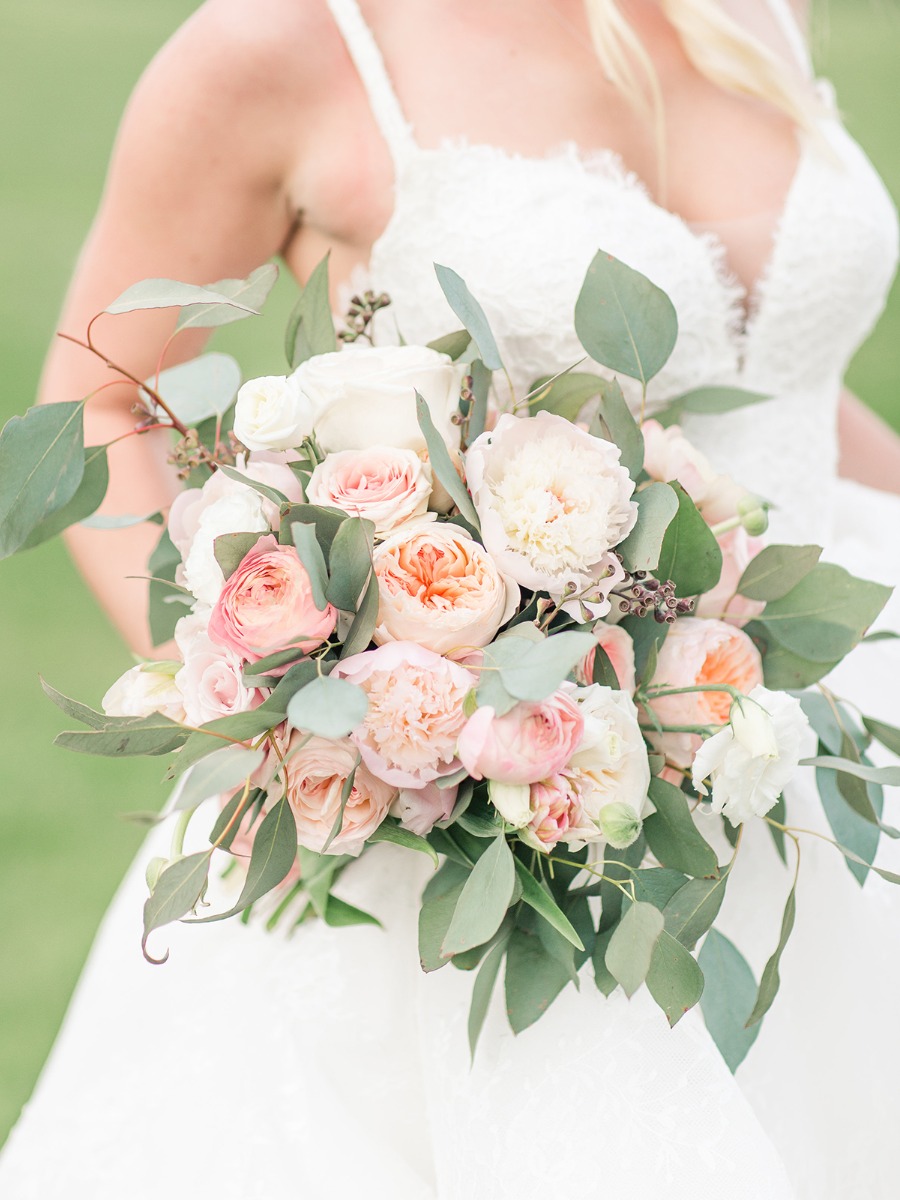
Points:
252	1067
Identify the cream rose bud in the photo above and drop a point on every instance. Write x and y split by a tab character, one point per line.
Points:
552	501
754	757
273	413
366	395
415	714
315	773
384	484
211	681
437	586
145	689
531	742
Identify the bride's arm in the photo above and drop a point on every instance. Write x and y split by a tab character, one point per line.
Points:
869	448
196	191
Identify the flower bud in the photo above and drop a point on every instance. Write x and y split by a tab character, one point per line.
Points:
754	514
512	801
155	868
619	824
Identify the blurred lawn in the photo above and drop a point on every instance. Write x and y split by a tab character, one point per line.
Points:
65	71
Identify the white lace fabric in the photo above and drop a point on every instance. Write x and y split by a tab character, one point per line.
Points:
251	1067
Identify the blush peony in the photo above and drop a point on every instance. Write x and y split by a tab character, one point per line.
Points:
267	605
529	743
437	586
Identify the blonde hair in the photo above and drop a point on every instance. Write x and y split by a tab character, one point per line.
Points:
717	45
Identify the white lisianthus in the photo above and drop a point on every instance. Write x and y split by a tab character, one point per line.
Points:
752	759
145	689
366	396
553	501
610	767
273	413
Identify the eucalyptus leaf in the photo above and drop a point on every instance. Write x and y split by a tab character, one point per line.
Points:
252	291
631	946
824	616
339	914
484	900
155	734
482	991
328	707
472	316
439	902
657	885
850	829
363	625
200	388
177	890
884	776
776	570
674	980
888	735
690	555
543	903
310	554
565	395
442	465
693	908
41	467
270	493
672	835
86	500
72	708
169	293
326	520
310	328
350	563
387	831
707	401
728	995
606	982
533	980
481	386
220	772
623	320
614	422
345	796
540	667
657	508
162	613
455	345
231	549
783	670
771	978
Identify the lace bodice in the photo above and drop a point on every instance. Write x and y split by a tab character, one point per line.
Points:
522	231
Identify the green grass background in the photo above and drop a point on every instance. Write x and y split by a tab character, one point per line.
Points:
65	72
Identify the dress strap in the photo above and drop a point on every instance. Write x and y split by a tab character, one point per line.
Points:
784	14
368	60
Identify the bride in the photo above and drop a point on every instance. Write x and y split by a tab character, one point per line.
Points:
509	141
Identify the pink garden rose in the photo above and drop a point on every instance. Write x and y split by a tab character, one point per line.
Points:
267	605
619	648
668	456
409	734
556	809
723	602
553	501
210	681
419	809
315	773
698	651
385	484
437	586
531	742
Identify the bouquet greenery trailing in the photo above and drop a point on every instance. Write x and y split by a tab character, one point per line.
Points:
536	638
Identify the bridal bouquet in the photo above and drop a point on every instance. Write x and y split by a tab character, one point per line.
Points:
534	638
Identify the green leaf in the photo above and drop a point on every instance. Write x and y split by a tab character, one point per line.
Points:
310	328
482	991
177	890
728	996
657	509
455	345
326	520
631	946
72	708
615	423
565	395
163	610
537	898
657	885
345	796
339	913
363	626
254	485
623	320
155	734
220	772
885	776
472	316
482	379
849	828
200	388
707	401
217	835
328	707
674	980
533	980
672	835
252	291
87	499
690	555
350	563
484	899
603	671
169	293
438	905
231	549
387	831
771	978
606	982
776	570
310	554
888	735
41	468
778	813
693	908
824	616
442	465
782	670
538	668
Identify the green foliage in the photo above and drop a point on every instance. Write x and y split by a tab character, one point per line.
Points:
849	828
658	505
165	597
623	320
86	500
252	291
442	464
539	898
328	707
484	899
363	625
673	979
888	735
220	772
690	555
776	570
438	906
533	979
169	293
518	667
691	911
231	548
263	489
350	562
565	395
707	401
472	316
672	835
455	345
728	996
200	388
273	855
310	328
389	831
177	891
614	422
482	991
155	734
631	946
310	554
771	977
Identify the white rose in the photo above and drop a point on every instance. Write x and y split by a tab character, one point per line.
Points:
273	413
385	484
366	395
553	501
610	767
210	681
439	588
752	759
145	689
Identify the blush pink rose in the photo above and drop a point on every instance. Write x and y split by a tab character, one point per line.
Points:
533	741
698	651
387	485
419	809
557	812
415	715
315	772
437	586
723	602
668	456
210	681
267	605
619	648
